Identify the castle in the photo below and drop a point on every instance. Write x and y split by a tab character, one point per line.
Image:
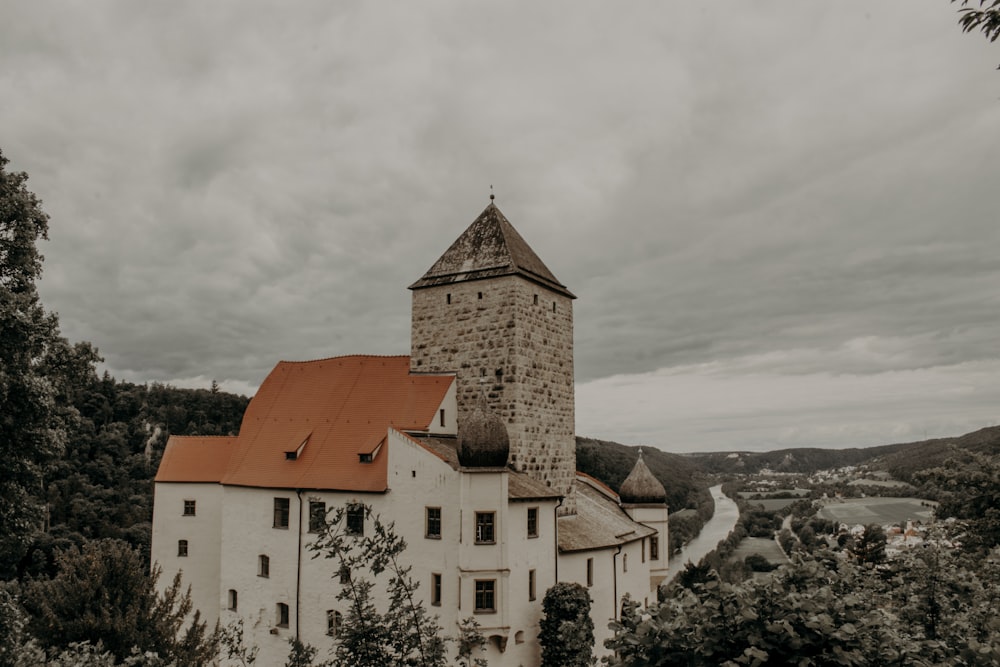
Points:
467	445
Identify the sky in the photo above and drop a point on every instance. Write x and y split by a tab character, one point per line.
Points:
779	217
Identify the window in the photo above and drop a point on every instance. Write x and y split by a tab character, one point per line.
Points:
345	574
531	584
654	547
532	522
480	296
486	595
447	298
282	615
232	600
263	566
317	516
433	523
189	507
441	416
484	527
590	572
356	519
536	299
333	620
553	306
281	512
182	548
644	550
624	562
436	589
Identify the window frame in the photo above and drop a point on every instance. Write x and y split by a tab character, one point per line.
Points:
485	591
431	522
282	513
317	516
263	566
354	519
334	619
482	524
182	548
436	589
282	615
532	520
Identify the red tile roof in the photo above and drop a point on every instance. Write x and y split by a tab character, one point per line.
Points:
339	407
195	458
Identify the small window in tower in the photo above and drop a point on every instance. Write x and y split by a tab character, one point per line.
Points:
448	298
480	296
281	513
356	519
182	548
590	572
263	566
536	299
531	584
436	589
532	522
233	599
282	615
624	562
333	621
317	516
654	547
485	525
486	595
433	523
553	306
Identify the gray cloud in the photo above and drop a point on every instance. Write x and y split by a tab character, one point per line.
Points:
779	191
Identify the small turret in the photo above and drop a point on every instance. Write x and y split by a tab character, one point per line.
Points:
641	486
483	441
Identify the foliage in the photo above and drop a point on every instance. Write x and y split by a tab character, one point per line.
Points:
968	489
820	611
302	655
233	647
102	593
470	640
869	546
566	628
403	634
758	563
986	18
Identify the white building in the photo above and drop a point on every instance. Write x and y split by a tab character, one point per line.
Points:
466	445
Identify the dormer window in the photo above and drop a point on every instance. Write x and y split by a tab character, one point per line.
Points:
294	454
365	458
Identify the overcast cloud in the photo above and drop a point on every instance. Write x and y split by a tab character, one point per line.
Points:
779	217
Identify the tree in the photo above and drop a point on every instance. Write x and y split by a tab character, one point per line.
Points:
968	489
102	594
566	629
986	18
404	634
869	546
30	432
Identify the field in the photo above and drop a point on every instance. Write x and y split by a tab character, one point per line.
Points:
759	545
774	504
881	511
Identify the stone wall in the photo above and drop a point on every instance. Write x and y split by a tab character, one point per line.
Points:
511	340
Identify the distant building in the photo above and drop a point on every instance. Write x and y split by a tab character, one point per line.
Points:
468	445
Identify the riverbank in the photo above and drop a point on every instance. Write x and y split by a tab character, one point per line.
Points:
723	520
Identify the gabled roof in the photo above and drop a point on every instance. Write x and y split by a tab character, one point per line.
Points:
599	521
489	248
310	422
195	458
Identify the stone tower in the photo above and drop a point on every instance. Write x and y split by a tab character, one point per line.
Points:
491	311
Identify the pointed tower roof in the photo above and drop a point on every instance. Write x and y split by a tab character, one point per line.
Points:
641	486
489	248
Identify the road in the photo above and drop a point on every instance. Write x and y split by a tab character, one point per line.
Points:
717	529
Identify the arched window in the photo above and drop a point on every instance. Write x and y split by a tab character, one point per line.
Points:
282	615
233	600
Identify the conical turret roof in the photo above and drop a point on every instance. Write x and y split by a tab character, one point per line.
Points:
641	486
489	248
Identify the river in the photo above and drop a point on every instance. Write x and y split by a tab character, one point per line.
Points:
717	529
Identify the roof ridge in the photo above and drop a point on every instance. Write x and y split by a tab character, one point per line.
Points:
344	356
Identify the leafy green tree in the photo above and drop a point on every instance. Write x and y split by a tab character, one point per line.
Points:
470	641
102	593
31	435
968	489
403	634
869	546
566	629
986	18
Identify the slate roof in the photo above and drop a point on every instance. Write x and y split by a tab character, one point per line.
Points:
599	521
641	486
489	248
520	486
327	412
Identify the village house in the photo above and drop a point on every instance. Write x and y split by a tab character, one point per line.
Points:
467	445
